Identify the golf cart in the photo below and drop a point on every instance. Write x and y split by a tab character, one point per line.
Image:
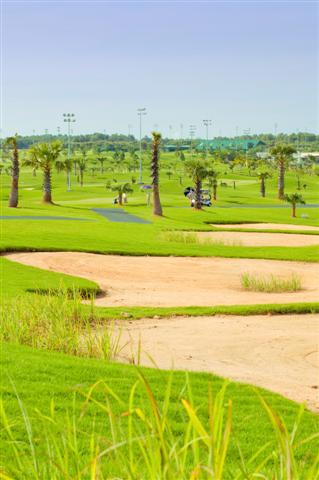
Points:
206	198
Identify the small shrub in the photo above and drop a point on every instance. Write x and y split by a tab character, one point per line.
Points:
271	284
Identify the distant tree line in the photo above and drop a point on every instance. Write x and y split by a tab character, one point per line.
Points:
102	142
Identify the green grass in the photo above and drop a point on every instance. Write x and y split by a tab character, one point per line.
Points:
271	284
54	386
102	236
18	279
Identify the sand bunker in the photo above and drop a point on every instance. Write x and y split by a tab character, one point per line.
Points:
275	352
259	239
176	281
265	226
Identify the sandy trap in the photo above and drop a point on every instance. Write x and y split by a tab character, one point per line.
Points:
258	239
275	352
176	281
266	226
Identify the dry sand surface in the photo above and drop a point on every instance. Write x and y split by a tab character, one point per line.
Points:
265	226
259	239
176	281
275	352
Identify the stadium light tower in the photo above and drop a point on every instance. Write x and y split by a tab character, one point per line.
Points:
140	113
207	124
69	118
192	130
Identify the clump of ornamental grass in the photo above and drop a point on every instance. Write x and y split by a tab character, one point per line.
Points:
59	321
136	439
192	238
270	284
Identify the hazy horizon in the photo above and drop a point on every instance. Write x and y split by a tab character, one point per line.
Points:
244	65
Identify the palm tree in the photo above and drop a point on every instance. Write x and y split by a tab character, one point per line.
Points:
212	182
121	188
12	142
82	167
263	175
101	159
294	199
45	156
197	171
282	155
157	207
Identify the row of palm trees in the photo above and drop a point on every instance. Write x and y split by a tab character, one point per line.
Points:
46	155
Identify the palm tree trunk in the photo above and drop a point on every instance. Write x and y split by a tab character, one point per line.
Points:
281	181
294	210
47	196
215	192
157	207
198	195
298	183
81	178
120	198
262	188
14	194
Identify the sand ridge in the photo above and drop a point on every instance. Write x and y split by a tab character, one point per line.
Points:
176	281
277	352
265	226
260	239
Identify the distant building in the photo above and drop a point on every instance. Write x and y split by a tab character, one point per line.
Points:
173	148
230	144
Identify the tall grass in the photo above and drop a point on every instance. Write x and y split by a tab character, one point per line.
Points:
138	441
271	284
192	238
59	322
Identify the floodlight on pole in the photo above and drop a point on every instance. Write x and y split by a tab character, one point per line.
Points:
140	113
207	123
192	130
182	131
69	118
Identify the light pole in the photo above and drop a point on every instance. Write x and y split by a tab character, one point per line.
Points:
192	130
140	113
69	118
59	131
207	124
246	133
182	131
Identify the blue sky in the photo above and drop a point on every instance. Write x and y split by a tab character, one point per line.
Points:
245	64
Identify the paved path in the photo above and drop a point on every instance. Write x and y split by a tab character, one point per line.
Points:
119	215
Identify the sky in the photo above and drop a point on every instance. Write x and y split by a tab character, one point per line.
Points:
243	65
